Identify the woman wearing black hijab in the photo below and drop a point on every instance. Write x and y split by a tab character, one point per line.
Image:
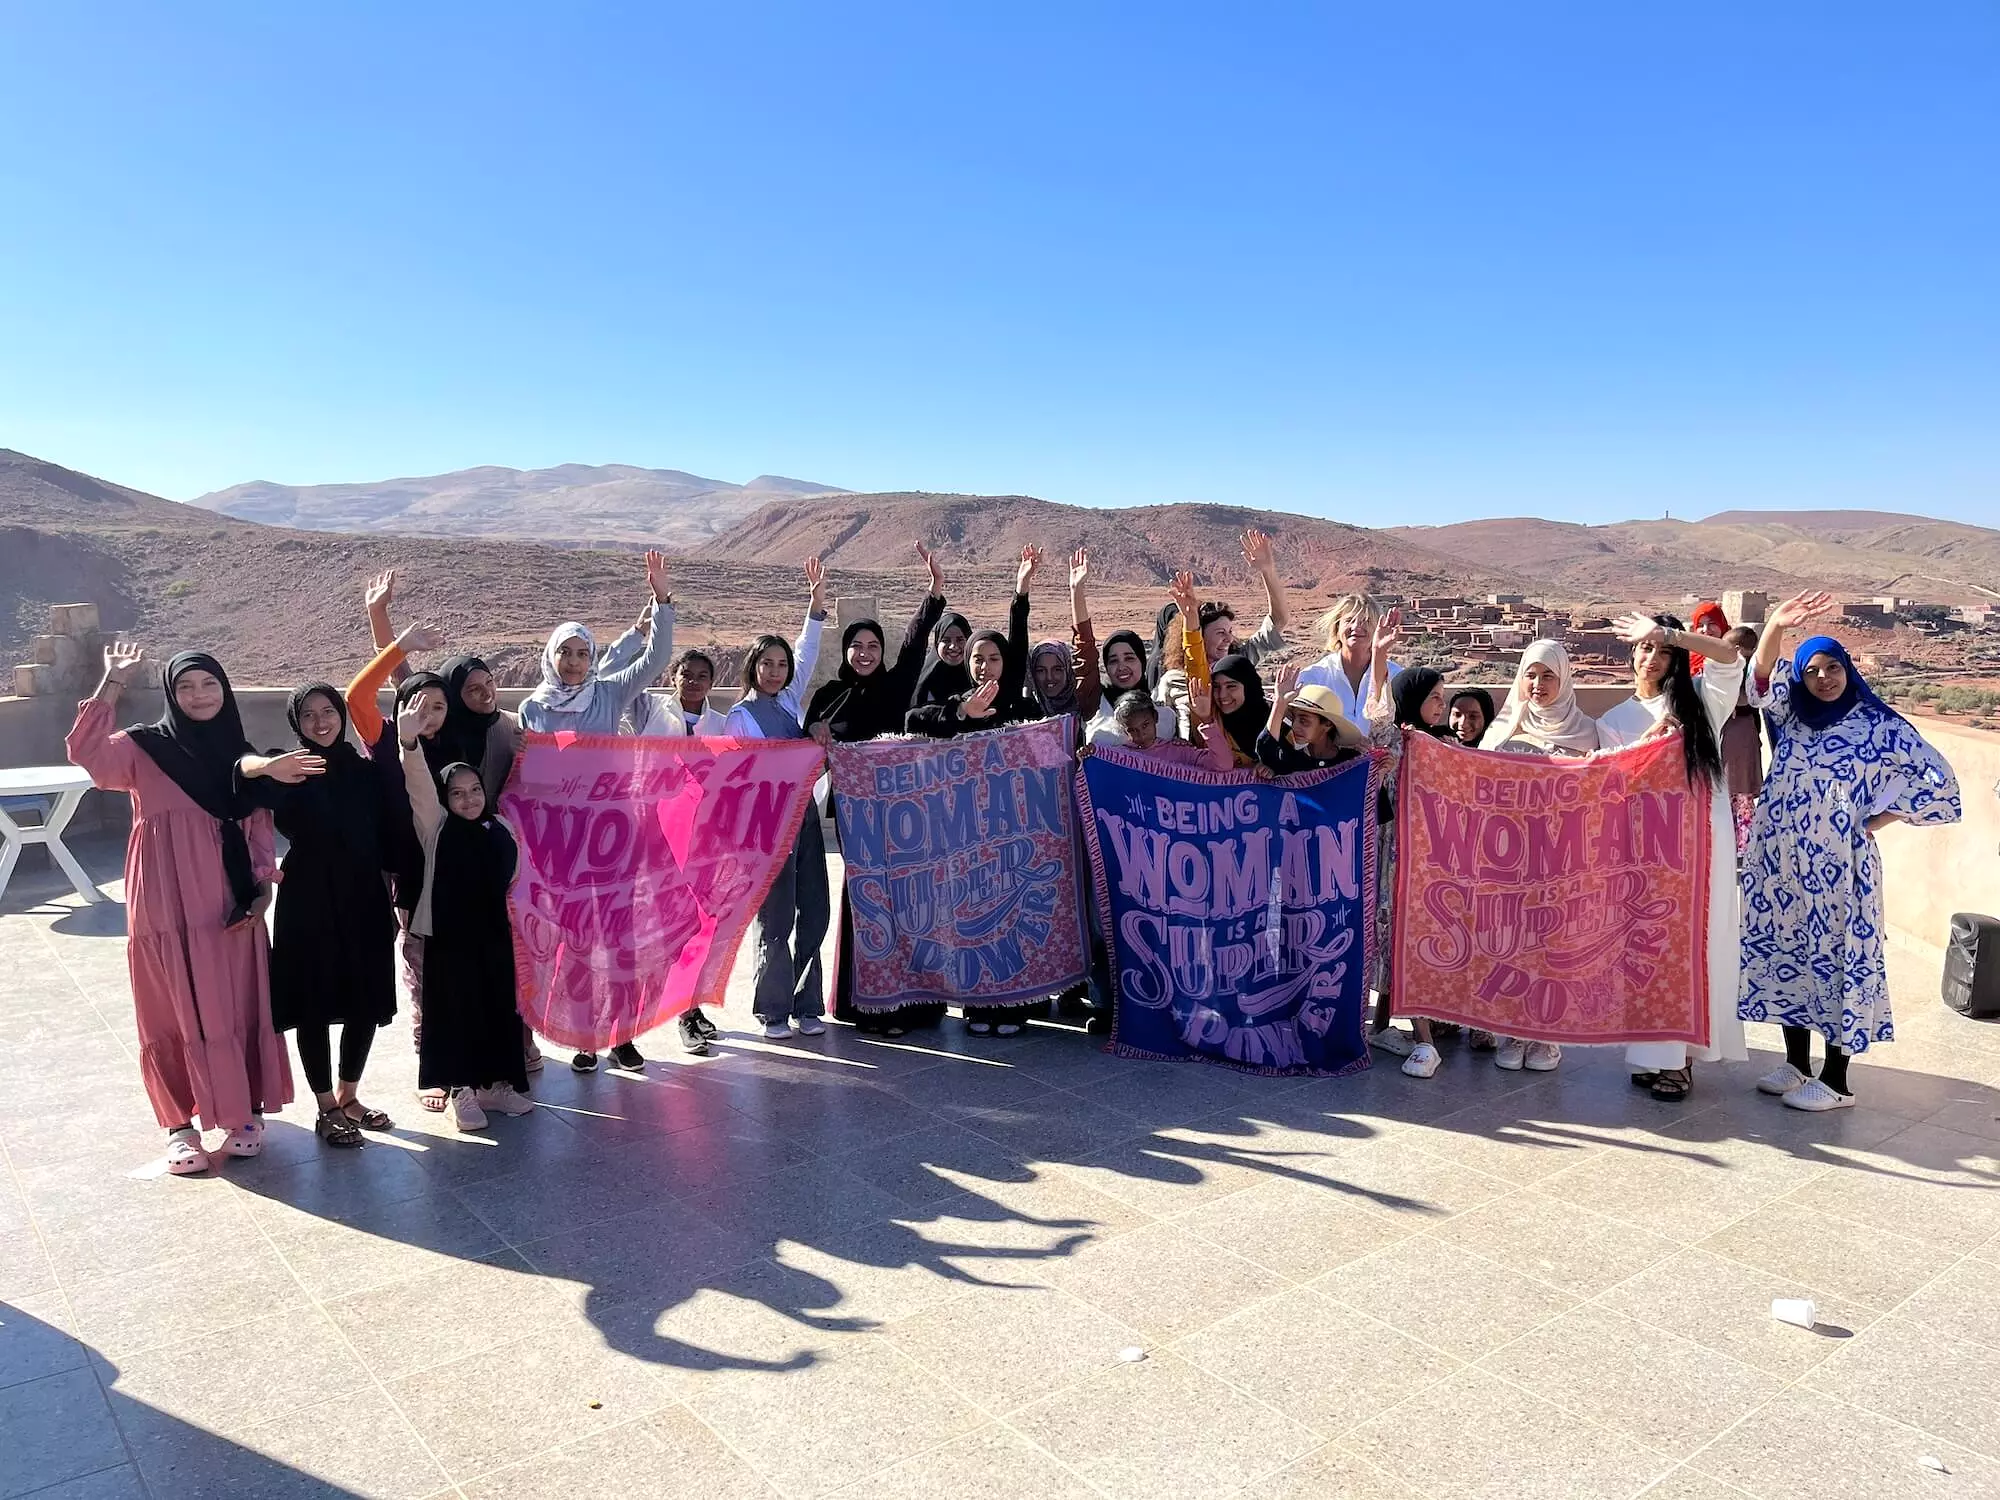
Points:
197	880
1240	703
1420	706
947	677
476	730
334	931
868	699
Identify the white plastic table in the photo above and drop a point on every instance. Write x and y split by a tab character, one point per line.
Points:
59	789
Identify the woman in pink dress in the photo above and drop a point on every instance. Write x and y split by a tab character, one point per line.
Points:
198	876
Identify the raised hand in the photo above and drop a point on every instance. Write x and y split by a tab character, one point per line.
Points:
420	638
294	766
1200	697
1635	628
381	590
122	659
1079	567
656	577
1287	686
1181	591
929	560
1031	559
1801	609
410	723
816	586
1388	631
1258	552
978	704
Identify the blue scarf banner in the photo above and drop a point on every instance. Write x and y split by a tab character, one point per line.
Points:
1239	909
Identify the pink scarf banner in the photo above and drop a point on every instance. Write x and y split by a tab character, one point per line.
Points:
642	863
1552	901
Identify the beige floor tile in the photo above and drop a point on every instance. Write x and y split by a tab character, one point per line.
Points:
1475	1435
1767	1455
1666	1195
657	1254
24	1265
183	1299
121	1483
1685	1483
991	1463
1004	1349
35	1338
1870	1266
1726	1306
1445	1296
444	1314
1397	1178
1327	1472
1050	1213
1126	1432
1964	1302
1553	1241
274	1366
1665	1391
1913	1374
57	1428
1162	1281
1952	1216
1321	1363
1298	1229
502	1405
866	1406
358	1443
1163	1173
667	1455
881	1272
336	1258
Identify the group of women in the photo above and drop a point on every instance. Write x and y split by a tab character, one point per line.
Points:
396	857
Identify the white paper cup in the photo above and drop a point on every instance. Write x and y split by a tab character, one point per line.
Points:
1802	1312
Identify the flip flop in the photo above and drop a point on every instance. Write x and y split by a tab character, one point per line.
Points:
432	1100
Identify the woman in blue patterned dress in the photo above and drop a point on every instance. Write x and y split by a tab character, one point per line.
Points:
1843	764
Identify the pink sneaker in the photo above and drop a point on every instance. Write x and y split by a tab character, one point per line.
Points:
504	1098
246	1139
184	1154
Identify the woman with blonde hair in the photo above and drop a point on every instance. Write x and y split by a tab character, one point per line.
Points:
1348	667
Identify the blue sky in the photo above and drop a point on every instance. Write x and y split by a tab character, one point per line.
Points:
1384	262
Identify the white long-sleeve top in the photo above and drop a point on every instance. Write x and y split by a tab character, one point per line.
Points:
742	724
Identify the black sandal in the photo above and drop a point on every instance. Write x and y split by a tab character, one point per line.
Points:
336	1129
1673	1085
368	1119
1645	1080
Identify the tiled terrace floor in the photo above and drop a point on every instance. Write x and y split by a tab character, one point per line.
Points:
905	1270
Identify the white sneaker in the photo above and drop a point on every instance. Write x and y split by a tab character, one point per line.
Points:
777	1031
811	1026
1395	1042
1510	1054
246	1139
1817	1097
503	1097
1423	1061
1780	1080
465	1111
1542	1057
184	1154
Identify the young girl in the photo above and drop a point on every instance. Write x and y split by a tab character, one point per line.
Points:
684	709
865	701
476	730
1415	701
334	931
1843	765
946	678
1743	747
1471	712
198	872
791	924
1321	735
1139	722
999	672
1666	692
1542	716
1123	657
472	1032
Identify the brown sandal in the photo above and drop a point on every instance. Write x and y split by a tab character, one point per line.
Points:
336	1129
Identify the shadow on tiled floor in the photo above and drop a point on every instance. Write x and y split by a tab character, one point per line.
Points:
910	1268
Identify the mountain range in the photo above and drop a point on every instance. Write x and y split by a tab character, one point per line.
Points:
279	598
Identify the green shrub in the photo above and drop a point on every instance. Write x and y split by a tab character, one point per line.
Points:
1966	700
180	588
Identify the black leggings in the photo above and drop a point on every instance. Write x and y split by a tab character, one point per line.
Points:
356	1037
1798	1052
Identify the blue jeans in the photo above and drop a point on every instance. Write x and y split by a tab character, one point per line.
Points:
788	930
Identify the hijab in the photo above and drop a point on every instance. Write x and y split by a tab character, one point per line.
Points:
1242	725
943	680
436	755
472	869
853	698
463	736
1480	696
1163	624
200	758
1411	687
557	696
344	801
1811	711
1052	704
1130	638
1707	610
1563	726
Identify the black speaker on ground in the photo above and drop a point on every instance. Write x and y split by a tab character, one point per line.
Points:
1972	965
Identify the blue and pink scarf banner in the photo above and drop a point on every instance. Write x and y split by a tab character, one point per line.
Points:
961	860
1239	909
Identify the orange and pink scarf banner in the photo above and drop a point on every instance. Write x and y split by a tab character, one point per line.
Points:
642	863
1553	901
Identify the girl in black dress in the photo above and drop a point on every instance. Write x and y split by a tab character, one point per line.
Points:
334	930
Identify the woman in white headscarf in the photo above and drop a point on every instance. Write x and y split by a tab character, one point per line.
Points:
1542	716
575	695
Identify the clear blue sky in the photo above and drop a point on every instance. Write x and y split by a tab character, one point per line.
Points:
1387	262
